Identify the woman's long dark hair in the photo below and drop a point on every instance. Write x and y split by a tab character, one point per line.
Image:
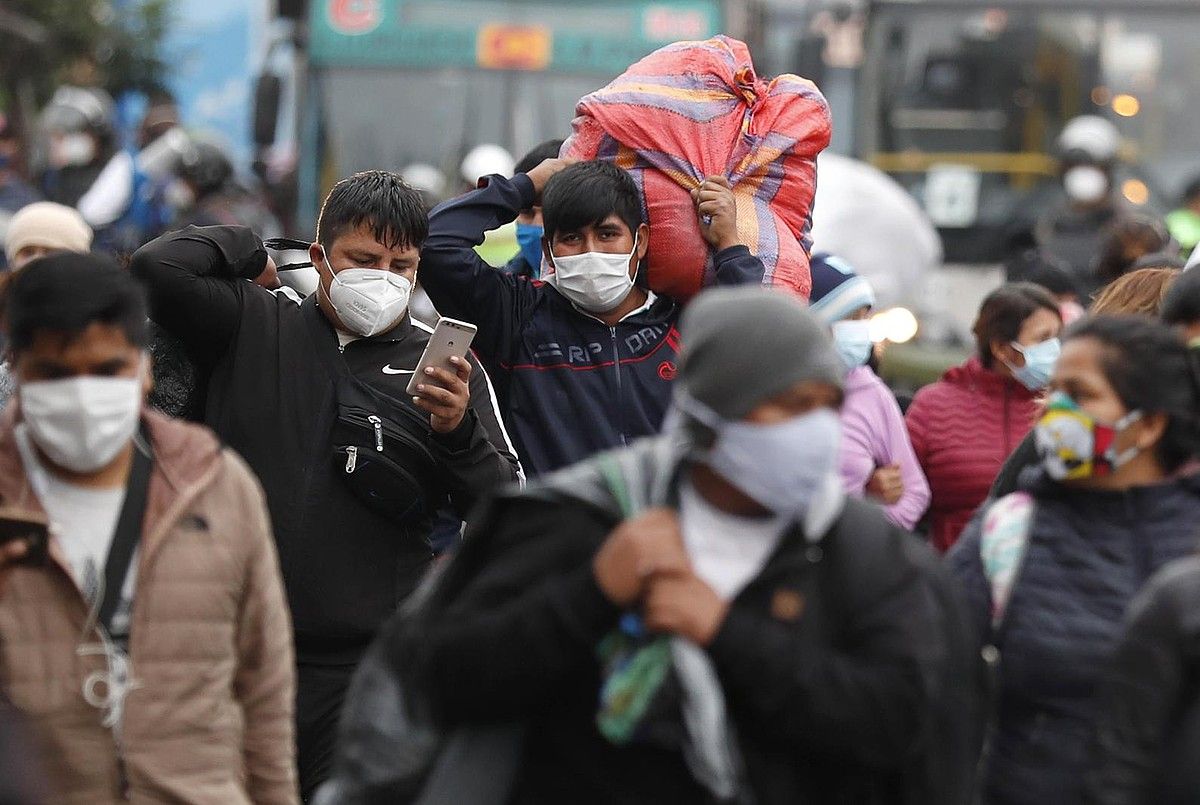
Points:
1152	371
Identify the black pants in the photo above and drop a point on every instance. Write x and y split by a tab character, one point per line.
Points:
320	693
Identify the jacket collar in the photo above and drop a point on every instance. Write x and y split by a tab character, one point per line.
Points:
312	307
656	309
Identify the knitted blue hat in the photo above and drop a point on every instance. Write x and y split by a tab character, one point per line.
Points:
837	291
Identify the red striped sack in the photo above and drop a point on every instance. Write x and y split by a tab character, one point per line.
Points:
697	109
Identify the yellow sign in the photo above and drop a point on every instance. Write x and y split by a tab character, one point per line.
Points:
513	47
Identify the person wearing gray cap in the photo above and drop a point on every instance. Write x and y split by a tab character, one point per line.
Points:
703	616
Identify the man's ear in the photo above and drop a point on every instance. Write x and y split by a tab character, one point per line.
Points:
316	255
147	374
643	241
546	251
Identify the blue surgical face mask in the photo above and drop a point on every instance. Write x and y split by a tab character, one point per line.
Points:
529	238
1039	363
852	339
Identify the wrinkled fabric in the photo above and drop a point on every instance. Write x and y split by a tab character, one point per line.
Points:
963	428
873	436
697	109
1088	554
208	716
1148	728
828	659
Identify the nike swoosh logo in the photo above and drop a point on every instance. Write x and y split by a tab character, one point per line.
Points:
388	370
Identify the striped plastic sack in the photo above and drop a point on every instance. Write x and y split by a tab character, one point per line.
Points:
697	109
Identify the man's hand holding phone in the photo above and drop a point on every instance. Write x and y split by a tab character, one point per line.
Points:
439	385
445	394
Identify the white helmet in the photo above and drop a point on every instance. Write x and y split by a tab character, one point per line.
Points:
1090	135
424	177
484	160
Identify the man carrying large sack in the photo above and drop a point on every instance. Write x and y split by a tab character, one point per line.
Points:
585	359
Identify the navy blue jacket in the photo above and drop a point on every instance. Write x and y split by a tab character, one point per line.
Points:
1088	554
569	385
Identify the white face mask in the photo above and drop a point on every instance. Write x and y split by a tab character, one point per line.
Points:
1086	184
781	466
72	149
178	195
594	281
82	423
369	301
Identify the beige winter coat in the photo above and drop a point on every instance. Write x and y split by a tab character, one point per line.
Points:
209	719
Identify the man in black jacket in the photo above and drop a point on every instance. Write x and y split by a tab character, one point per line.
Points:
585	360
313	397
703	617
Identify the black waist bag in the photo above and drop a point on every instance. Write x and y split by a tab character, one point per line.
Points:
379	443
380	452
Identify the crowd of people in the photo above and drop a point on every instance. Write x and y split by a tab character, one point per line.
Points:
628	549
126	193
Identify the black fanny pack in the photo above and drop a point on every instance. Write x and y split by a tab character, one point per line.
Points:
379	443
380	452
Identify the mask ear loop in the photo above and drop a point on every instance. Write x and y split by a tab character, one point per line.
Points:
1130	453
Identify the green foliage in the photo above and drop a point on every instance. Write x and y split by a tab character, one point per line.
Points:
83	41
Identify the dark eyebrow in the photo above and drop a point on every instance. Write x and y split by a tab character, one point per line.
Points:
45	367
113	365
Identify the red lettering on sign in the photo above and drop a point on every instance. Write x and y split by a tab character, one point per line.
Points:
355	16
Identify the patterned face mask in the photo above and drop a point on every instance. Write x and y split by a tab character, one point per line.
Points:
1073	446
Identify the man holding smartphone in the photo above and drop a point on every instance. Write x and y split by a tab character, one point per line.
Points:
313	397
149	648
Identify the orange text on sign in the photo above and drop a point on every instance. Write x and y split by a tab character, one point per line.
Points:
513	47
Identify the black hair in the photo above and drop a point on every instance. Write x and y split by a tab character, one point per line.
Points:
381	200
1182	303
1044	269
586	193
1004	311
1152	371
1127	242
537	155
66	293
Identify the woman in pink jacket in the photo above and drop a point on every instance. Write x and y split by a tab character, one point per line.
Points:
877	459
965	425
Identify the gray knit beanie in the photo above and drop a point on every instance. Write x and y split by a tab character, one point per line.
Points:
744	345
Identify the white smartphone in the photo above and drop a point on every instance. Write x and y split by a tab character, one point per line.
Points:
451	338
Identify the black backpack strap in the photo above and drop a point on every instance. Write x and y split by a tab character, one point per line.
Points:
129	529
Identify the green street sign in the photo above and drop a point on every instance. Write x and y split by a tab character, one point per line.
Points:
535	35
